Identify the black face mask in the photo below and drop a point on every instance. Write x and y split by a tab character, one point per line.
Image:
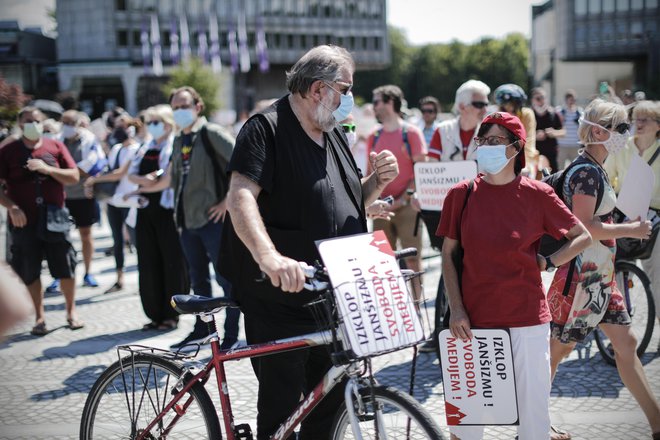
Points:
120	135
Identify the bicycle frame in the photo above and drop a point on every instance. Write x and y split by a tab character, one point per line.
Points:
219	357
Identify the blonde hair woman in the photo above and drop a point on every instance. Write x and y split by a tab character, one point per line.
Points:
594	299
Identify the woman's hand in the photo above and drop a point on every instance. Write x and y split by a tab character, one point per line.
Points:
459	324
88	187
639	229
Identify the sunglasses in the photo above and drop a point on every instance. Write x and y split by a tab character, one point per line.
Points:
479	104
428	110
348	128
622	128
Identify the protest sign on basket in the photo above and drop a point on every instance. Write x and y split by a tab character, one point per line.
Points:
378	313
478	378
434	179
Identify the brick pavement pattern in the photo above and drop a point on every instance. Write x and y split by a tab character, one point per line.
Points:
44	381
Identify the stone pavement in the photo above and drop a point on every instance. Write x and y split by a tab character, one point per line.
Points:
44	380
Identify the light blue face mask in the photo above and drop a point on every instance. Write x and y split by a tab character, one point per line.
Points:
345	107
184	117
492	159
156	130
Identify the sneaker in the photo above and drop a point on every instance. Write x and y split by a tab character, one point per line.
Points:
54	287
228	343
427	347
193	339
89	281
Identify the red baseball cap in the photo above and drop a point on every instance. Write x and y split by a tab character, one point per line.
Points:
514	125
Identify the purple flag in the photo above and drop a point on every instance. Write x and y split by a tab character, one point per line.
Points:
144	40
156	59
185	39
243	52
174	42
233	48
262	46
202	45
216	64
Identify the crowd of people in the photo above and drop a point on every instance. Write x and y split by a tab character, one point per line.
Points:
190	194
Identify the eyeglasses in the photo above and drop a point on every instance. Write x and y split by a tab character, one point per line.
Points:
622	128
479	104
491	140
348	128
346	91
429	110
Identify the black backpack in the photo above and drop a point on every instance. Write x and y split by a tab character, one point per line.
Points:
550	245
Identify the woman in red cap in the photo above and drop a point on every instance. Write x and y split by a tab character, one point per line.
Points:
500	284
593	298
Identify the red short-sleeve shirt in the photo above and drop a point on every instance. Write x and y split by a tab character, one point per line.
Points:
21	185
500	234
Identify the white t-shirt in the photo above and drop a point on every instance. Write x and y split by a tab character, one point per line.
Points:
123	155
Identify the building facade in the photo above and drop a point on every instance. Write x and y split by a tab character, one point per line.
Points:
106	48
579	43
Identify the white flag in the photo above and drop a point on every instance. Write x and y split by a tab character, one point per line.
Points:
243	52
185	39
216	64
156	60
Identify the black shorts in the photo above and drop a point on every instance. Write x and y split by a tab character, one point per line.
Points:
85	212
28	251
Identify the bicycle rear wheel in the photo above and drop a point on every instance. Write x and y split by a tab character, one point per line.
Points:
635	287
395	414
133	391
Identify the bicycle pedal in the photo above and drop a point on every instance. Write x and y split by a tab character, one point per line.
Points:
243	432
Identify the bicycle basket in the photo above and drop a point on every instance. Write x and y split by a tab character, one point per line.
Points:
379	316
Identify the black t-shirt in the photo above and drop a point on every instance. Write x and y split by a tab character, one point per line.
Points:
305	197
549	119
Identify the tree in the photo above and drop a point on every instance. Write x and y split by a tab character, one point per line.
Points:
200	77
12	99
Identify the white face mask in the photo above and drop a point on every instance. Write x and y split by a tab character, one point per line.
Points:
69	131
33	130
492	159
614	143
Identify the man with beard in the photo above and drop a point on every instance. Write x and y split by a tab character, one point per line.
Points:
294	181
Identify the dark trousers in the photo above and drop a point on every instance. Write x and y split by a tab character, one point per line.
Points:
116	219
161	264
284	378
201	246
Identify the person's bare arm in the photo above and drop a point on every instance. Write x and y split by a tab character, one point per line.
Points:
16	214
459	321
384	169
65	176
578	240
584	207
283	272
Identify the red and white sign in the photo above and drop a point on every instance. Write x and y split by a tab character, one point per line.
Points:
434	179
478	378
373	299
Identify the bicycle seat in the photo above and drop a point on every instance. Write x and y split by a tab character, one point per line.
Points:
187	304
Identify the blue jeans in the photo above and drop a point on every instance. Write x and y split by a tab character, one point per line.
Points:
201	246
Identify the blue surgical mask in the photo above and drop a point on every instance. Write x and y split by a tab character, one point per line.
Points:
156	130
492	158
184	117
345	107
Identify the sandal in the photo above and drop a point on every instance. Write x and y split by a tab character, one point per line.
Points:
115	288
39	329
150	326
75	324
168	324
559	434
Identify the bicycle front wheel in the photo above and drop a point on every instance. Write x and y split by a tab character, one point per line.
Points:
390	414
635	287
129	395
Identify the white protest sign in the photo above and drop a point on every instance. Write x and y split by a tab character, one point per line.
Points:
634	197
478	378
378	312
434	179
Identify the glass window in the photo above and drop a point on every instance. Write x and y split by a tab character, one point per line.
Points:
594	35
651	4
580	36
608	33
121	6
122	38
636	30
621	5
594	6
636	5
608	5
580	7
621	31
137	38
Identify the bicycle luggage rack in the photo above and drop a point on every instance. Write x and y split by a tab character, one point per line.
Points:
134	349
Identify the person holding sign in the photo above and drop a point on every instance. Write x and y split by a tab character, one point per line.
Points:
294	181
593	298
497	283
645	143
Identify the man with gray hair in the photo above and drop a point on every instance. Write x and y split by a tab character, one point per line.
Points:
294	181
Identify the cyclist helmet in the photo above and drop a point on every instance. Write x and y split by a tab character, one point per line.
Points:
510	92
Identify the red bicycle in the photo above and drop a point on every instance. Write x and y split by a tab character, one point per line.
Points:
156	394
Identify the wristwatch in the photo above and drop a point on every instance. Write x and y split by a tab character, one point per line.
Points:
549	265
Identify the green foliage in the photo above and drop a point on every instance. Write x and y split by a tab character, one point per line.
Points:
200	77
12	99
439	69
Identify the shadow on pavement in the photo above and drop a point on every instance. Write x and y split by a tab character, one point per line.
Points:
427	376
79	382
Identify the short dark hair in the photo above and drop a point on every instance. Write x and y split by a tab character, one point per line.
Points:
430	100
389	93
513	139
195	96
